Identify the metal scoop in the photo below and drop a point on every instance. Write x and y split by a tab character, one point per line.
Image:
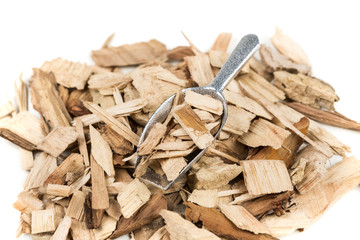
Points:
241	54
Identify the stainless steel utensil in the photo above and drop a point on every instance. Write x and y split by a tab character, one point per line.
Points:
241	54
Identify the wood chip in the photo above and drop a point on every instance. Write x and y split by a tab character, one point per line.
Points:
62	230
79	231
238	121
82	142
42	221
222	42
109	80
106	228
200	69
76	206
203	102
152	139
100	198
172	167
58	190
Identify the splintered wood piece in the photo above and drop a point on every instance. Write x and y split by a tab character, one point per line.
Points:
193	126
128	54
114	209
154	136
79	231
73	163
238	121
180	228
74	103
247	104
24	130
82	142
93	217
203	102
108	80
133	197
76	206
27	202
148	213
264	133
43	221
21	95
212	173
275	61
218	58
27	159
285	45
108	225
260	68
81	181
209	198
222	42
266	176
305	89
117	126
159	234
117	142
289	148
100	198
62	230
324	116
178	53
216	222
101	152
68	74
200	69
243	219
172	167
122	109
58	190
163	74
172	154
6	109
174	146
204	116
58	140
46	99
44	165
310	206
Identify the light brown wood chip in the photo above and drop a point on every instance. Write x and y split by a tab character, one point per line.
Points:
82	141
126	55
6	109
222	42
154	136
109	80
76	205
108	225
58	190
62	230
264	133
42	221
238	121
163	74
68	74
200	69
209	198
203	102
266	176
79	231
100	198
172	167
27	202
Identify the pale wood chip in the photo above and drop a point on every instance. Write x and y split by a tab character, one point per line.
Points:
209	198
238	121
172	167
114	209
27	159
172	154
79	231
99	198
200	69
109	80
108	225
163	74
260	68
203	102
266	176
218	58
27	202
159	234
58	190
62	230
222	42
76	206
6	109
21	95
42	221
178	53
154	136
174	146
82	141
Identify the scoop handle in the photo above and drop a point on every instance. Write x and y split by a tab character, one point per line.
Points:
238	58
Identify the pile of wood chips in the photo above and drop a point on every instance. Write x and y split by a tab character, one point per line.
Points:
264	177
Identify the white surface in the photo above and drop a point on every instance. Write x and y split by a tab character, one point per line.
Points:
33	31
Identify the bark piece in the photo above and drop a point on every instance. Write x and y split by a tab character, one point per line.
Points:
100	198
203	102
58	190
305	89
179	228
149	212
108	225
222	42
216	222
191	123
58	140
238	121
243	219
266	176
264	133
200	69
133	197
172	167
76	206
24	130
93	217
73	163
285	45
46	99
42	221
68	74
154	136
340	178
62	230
126	55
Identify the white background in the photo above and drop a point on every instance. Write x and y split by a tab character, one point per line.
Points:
34	31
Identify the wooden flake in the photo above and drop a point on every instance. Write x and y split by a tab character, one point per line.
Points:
21	95
238	121
264	133
204	116
244	198
79	231
24	130
162	74
203	102
117	142
154	136
117	126
340	178
58	190
58	140
106	228
222	42
44	165
191	123
179	228
172	167
209	198
74	104
27	202
82	142
114	209
101	99
260	68
217	58
178	53
100	198
243	219
42	221
276	61
62	230
159	234
68	74
93	217
132	54
133	197
285	45
266	176
148	213
172	154
305	89
46	99
6	109
175	146
27	159
212	173
76	205
109	80
73	163
200	69
101	152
